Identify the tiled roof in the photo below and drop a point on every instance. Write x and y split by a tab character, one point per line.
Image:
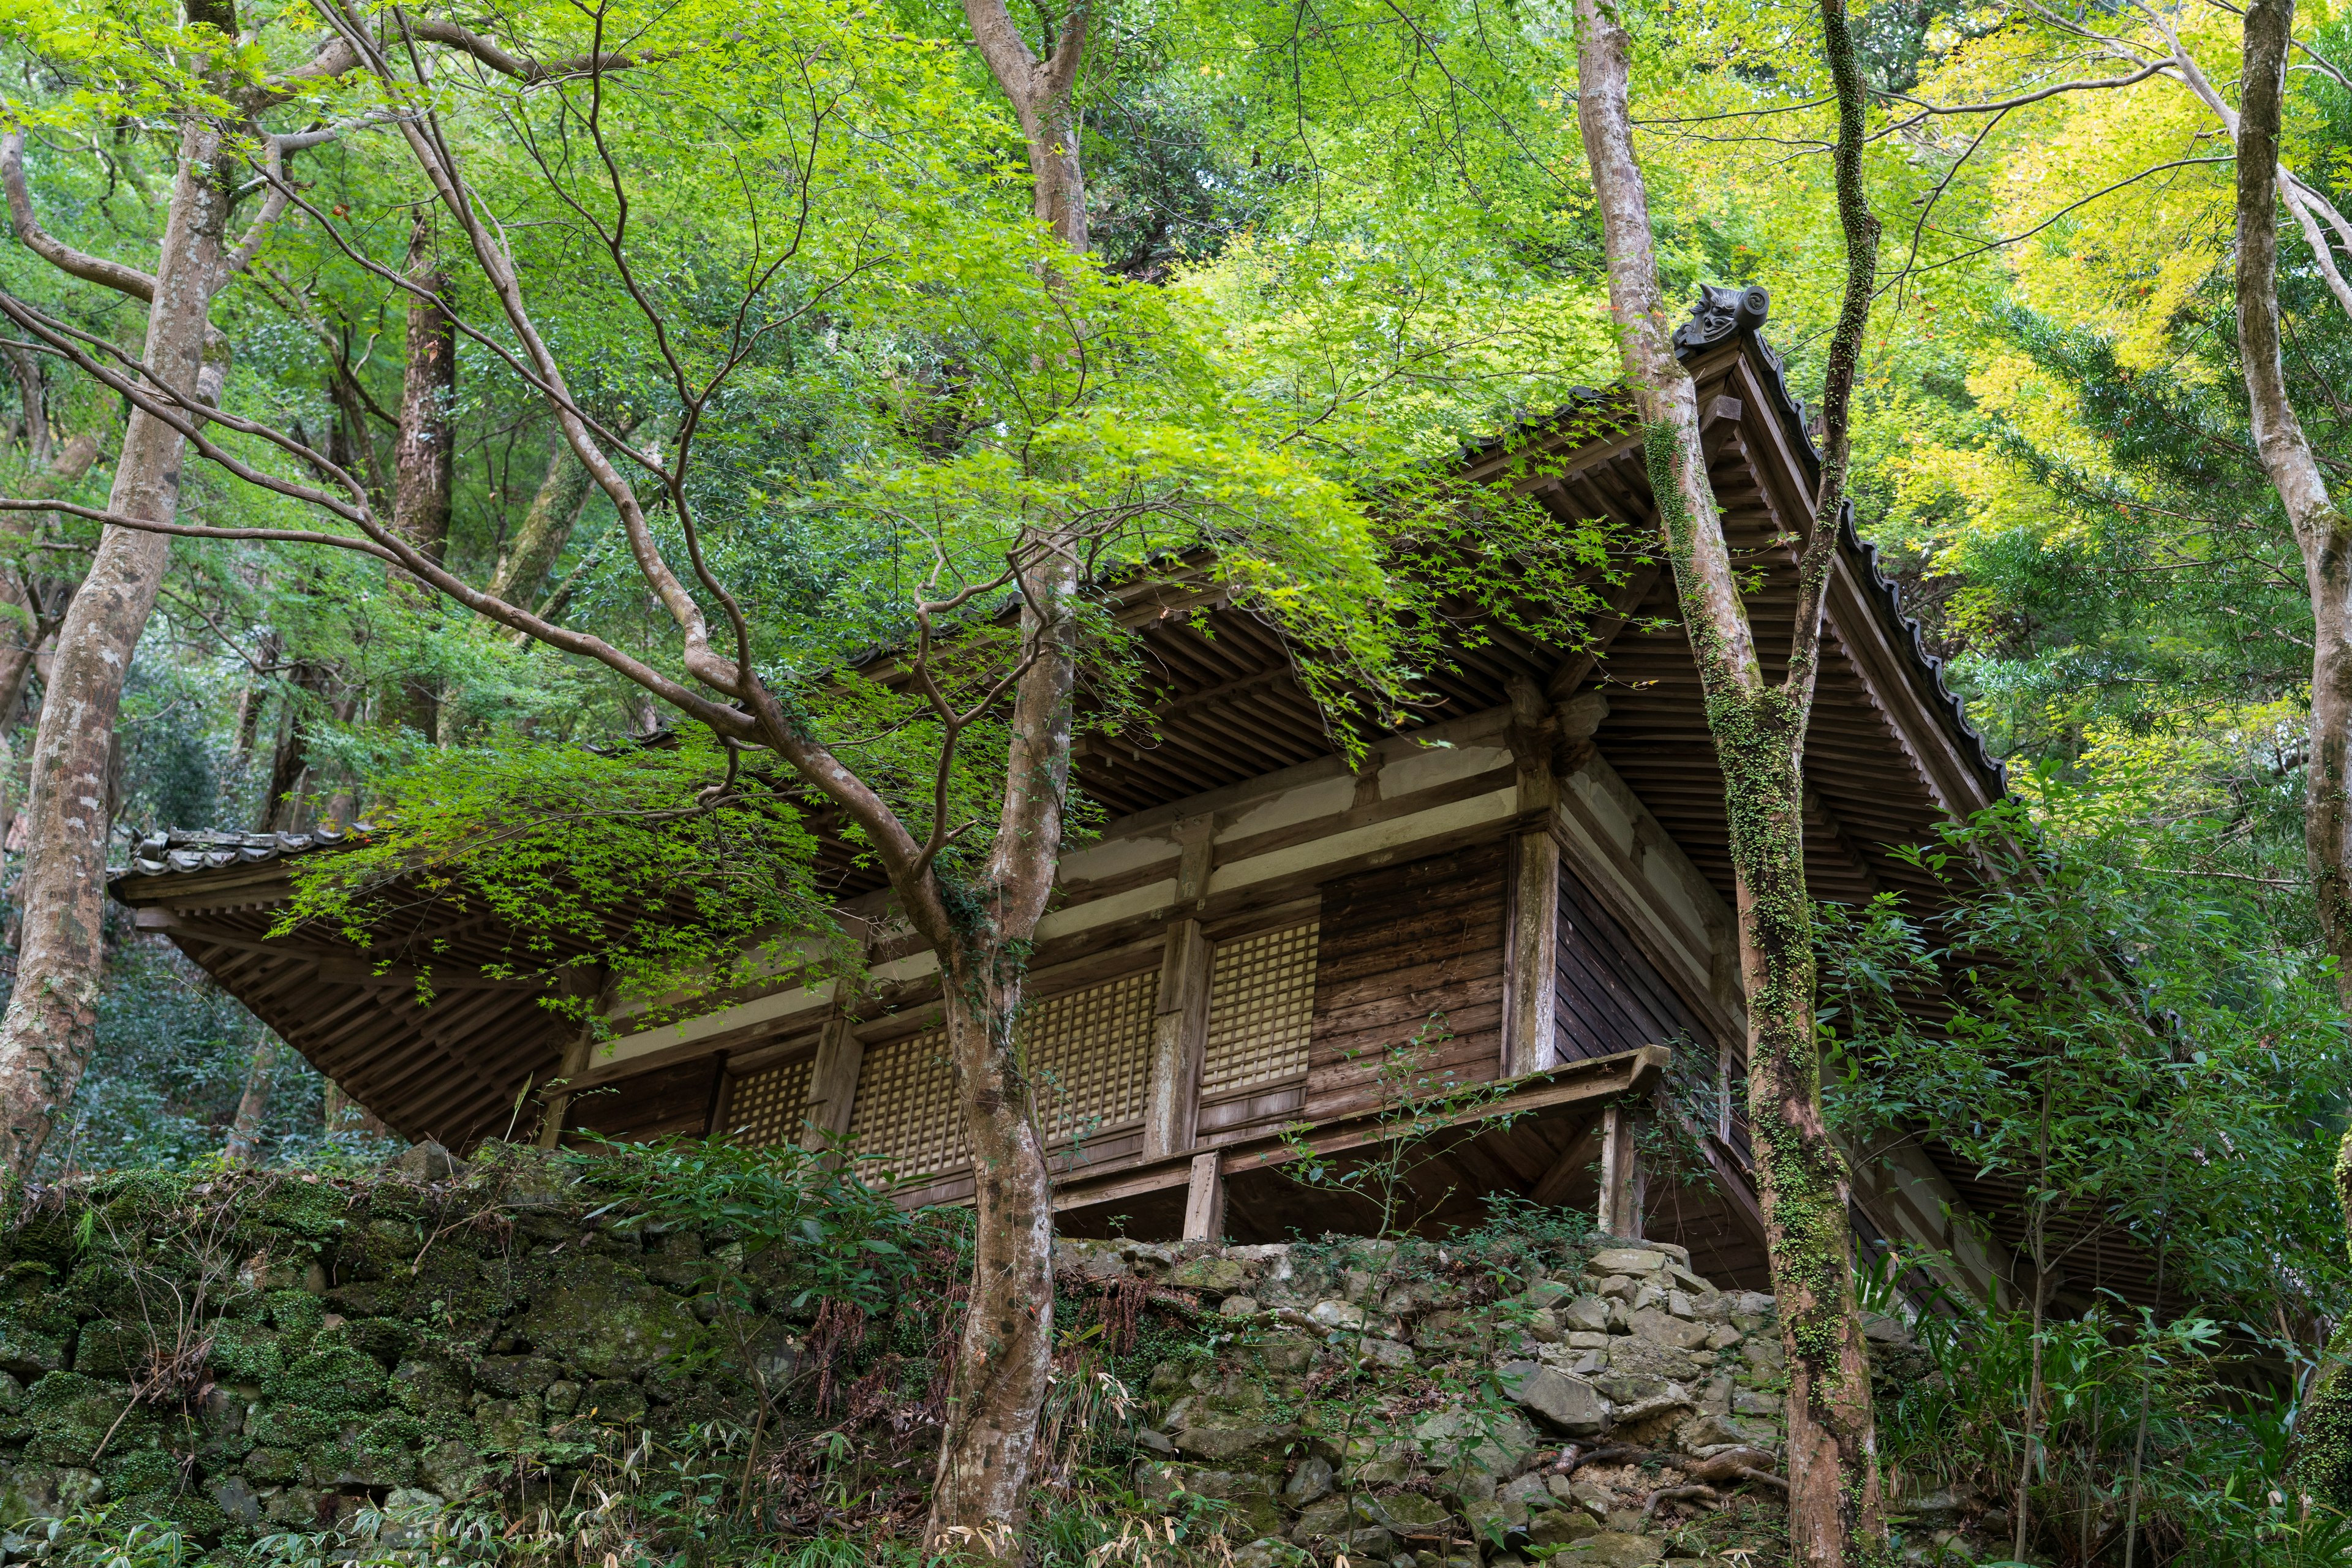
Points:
179	850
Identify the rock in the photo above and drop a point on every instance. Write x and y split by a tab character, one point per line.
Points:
1218	1435
27	1355
1497	1523
614	1403
1663	1328
1309	1483
1570	1405
1612	1549
1765	1352
1247	1495
1625	1260
509	1426
1344	1524
1646	1358
1528	1491
430	1386
1881	1329
1216	1276
426	1161
1616	1287
1583	1496
451	1468
606	1322
272	1467
1748	1402
1495	1443
514	1376
1722	1337
1388	1354
1678	1304
236	1498
1586	1314
1238	1306
560	1398
1560	1527
1337	1315
1546	1293
1753	1304
1286	1352
1411	1516
1264	1553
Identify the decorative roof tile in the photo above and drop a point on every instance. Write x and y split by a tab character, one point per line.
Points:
179	850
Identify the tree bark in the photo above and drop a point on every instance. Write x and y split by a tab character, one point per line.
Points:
252	1107
2323	1464
555	510
283	807
45	1036
34	603
1042	89
1759	730
424	461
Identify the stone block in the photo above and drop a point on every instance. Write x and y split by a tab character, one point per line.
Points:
1309	1483
235	1496
451	1468
1583	1314
1411	1516
1495	1443
1238	1306
1663	1328
1221	1434
1626	1260
1337	1315
1612	1549
1569	1404
603	1321
1216	1276
1560	1527
614	1403
1286	1352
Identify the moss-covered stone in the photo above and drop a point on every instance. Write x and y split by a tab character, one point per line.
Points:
607	1322
71	1414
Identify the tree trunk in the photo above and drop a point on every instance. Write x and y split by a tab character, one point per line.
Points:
283	807
1006	1353
33	603
252	1107
2324	1433
425	462
44	1038
1043	91
25	365
1759	730
555	511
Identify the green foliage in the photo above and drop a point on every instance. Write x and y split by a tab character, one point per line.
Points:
2110	1049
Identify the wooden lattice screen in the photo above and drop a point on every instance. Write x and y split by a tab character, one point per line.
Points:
1261	1010
769	1107
1089	1050
904	1114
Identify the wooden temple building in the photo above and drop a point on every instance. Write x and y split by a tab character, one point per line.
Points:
1529	887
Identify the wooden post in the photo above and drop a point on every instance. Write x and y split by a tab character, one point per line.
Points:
582	983
1204	1198
832	1083
722	1093
1179	1034
1534	976
1620	1175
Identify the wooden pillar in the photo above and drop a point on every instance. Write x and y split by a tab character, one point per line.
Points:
1621	1175
722	1094
587	985
1204	1198
1179	1034
832	1083
1534	947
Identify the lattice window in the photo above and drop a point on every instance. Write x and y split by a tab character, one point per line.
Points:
769	1107
1090	1051
1261	1009
905	1111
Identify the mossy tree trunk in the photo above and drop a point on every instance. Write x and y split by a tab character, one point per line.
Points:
1758	729
2324	1434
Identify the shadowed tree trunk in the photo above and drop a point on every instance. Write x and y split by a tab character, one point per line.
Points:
252	1107
1759	730
35	605
555	510
424	461
284	809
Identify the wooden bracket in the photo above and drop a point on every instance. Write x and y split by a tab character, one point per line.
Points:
1204	1198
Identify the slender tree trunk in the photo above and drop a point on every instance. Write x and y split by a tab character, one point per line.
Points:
1042	89
2324	1434
44	1038
1759	730
25	365
32	603
252	1106
424	461
555	510
284	809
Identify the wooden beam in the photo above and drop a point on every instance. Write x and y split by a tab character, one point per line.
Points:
1620	1175
1534	968
1623	601
1583	1148
833	1081
1180	1036
1204	1198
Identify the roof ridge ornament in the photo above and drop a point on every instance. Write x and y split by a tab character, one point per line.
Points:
1719	313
